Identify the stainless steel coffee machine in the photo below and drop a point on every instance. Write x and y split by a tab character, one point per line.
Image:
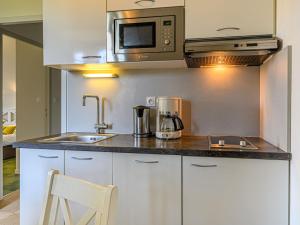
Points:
168	119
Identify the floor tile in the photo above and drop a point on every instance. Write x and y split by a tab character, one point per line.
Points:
13	207
9	215
10	220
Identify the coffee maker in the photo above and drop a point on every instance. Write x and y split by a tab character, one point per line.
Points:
168	118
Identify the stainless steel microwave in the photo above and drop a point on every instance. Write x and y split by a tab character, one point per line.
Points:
145	35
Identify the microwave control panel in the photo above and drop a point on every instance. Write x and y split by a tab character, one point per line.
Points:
168	34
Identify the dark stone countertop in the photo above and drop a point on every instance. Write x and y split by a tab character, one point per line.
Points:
185	146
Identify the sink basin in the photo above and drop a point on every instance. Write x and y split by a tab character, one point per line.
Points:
78	139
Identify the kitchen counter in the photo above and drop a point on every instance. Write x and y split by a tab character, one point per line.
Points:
185	146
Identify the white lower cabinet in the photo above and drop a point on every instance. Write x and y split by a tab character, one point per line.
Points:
34	165
157	189
223	191
149	189
95	167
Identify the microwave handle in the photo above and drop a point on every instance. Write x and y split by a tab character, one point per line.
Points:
138	2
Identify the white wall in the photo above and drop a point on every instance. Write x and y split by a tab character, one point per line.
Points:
288	18
1	136
223	101
9	73
55	101
32	92
20	11
275	91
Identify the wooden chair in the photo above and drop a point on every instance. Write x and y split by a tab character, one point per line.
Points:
62	189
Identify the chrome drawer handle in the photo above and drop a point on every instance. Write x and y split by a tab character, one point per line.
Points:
92	57
48	157
203	166
228	28
141	1
147	162
78	158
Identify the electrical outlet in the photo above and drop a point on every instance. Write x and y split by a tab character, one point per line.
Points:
150	101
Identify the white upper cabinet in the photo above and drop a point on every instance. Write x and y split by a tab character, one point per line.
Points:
226	18
223	191
115	5
74	31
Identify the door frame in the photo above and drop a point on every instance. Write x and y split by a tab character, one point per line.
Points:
47	74
1	122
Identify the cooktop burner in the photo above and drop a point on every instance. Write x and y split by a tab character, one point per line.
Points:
231	142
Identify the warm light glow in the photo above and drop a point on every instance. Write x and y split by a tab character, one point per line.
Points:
100	75
222	66
221	60
91	68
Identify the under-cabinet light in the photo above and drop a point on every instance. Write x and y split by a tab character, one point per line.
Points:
100	75
222	66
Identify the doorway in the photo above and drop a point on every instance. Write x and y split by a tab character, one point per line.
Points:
30	98
10	175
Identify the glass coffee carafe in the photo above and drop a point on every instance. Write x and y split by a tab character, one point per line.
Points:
171	123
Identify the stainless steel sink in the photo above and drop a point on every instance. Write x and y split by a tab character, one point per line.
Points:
78	138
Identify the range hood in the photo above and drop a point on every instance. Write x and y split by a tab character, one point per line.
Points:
236	52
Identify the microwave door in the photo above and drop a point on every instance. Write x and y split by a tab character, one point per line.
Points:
137	35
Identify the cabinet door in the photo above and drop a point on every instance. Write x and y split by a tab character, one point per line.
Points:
224	18
149	189
95	167
219	191
35	165
115	5
74	31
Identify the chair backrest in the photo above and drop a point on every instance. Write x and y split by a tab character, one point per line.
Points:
62	189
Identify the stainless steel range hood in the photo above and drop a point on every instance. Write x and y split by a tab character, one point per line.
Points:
237	52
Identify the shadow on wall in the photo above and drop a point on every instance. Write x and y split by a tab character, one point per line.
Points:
187	117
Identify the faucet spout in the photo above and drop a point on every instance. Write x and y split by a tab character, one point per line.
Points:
98	106
99	126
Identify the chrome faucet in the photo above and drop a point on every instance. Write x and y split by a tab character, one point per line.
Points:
100	126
